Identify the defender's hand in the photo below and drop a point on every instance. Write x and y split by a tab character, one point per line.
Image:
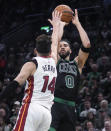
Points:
61	29
56	18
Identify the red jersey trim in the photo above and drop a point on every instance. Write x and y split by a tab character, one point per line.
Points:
24	109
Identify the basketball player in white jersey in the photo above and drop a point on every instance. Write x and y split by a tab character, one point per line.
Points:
40	73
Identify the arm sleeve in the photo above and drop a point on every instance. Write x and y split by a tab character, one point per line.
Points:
87	50
9	90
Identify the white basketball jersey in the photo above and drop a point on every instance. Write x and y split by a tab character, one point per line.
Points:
40	87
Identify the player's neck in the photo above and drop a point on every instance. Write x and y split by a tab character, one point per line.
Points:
42	55
67	58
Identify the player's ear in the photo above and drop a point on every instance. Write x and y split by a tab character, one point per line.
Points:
35	51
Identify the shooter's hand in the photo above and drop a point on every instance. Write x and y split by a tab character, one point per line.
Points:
75	19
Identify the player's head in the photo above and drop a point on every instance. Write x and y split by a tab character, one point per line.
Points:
43	44
64	49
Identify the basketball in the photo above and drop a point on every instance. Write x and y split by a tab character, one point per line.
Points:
66	11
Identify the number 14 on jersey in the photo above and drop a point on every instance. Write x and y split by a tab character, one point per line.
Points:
50	86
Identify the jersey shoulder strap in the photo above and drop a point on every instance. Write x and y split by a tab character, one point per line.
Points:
34	61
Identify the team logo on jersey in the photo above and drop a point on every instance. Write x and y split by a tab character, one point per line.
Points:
66	68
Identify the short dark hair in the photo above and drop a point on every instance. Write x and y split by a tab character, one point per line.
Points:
66	40
43	44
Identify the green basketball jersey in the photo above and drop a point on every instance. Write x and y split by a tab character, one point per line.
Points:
68	79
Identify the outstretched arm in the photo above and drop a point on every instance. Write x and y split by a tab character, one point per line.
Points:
58	30
61	30
56	16
84	51
60	34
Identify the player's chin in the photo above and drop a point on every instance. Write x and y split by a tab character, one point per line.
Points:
62	55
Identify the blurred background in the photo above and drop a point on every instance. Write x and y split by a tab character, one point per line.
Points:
21	21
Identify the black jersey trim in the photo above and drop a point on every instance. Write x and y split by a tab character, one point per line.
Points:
62	60
58	62
59	100
35	62
77	66
75	63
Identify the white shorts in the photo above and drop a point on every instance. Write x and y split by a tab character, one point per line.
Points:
33	117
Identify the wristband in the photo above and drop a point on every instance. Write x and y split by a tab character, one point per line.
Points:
87	50
9	90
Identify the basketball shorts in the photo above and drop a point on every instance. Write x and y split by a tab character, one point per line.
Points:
33	117
63	117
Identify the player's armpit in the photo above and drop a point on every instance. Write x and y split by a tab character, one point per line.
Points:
81	59
27	70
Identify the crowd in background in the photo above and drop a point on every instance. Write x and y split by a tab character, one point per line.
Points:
94	100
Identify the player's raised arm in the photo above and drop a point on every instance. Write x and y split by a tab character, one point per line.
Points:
56	16
84	51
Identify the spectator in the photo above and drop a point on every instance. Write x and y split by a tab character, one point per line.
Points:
104	64
98	99
104	106
90	127
3	125
15	112
4	113
106	84
92	118
101	115
107	126
94	74
87	108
